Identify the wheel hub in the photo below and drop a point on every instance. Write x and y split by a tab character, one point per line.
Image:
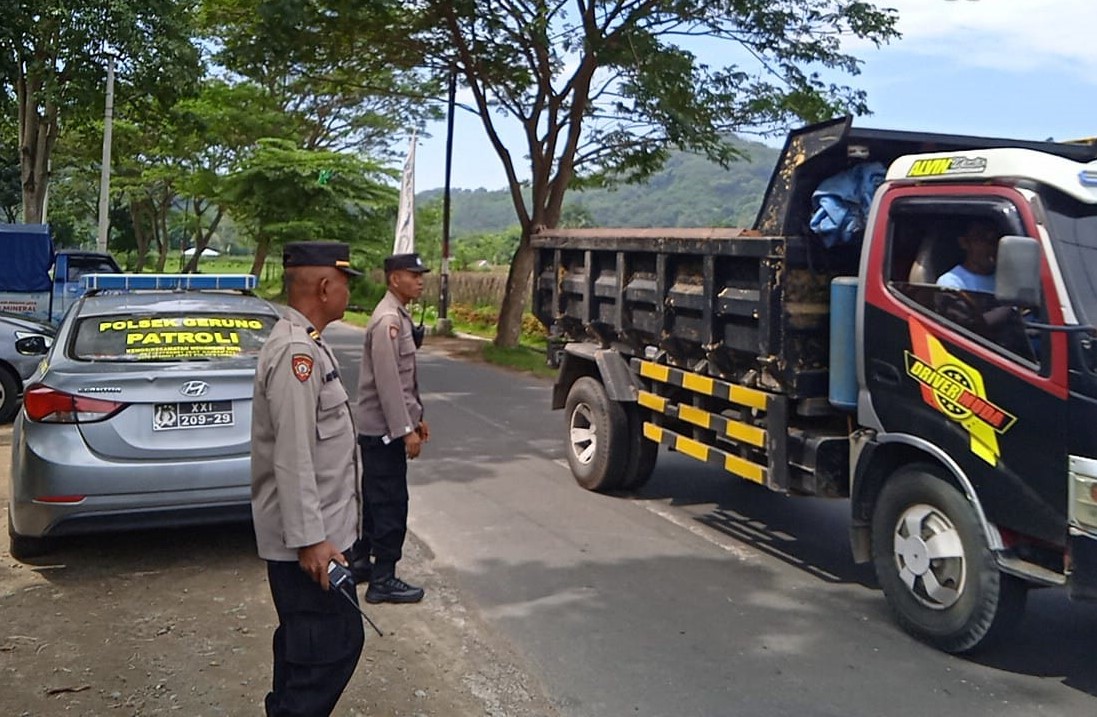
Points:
929	555
913	553
583	434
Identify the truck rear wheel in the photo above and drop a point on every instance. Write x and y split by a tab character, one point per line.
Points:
597	436
642	452
933	563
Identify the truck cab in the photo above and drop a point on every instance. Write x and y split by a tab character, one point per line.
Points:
39	282
992	394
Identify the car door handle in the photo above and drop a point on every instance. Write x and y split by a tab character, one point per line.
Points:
885	372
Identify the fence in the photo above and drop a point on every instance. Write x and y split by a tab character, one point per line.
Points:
469	288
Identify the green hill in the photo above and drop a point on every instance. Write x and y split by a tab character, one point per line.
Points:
690	191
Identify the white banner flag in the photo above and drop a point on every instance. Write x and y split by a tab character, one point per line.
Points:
405	218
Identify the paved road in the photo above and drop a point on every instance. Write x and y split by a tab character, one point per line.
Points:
702	596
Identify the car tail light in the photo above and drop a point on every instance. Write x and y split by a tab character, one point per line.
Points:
47	405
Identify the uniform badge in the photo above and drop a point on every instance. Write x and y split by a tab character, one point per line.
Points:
302	367
394	331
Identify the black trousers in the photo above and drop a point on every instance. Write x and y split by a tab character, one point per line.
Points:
316	645
384	503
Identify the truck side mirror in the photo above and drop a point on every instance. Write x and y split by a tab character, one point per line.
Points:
1017	277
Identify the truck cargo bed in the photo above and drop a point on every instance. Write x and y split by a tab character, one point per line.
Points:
726	302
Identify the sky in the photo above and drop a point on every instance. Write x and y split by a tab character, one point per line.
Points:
1024	69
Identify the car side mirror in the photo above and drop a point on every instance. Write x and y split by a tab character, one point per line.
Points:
1017	276
33	345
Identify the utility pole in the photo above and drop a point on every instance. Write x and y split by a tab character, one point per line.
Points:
444	324
104	174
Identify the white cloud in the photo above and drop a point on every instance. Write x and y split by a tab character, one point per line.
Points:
1055	35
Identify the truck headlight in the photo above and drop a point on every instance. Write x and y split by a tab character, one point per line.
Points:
1082	506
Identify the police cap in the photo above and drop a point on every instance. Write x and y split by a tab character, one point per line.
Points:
409	262
318	253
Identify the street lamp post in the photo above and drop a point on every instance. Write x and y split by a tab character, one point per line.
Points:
104	173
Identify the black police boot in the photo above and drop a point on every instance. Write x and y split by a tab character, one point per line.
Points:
360	567
393	589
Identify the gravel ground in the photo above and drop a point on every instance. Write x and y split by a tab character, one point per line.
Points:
180	622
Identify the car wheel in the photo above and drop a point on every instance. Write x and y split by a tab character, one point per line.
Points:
933	563
597	436
22	547
9	395
642	453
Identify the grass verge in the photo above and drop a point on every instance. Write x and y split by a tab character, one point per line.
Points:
528	356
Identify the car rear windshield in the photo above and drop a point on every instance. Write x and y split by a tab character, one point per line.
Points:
171	337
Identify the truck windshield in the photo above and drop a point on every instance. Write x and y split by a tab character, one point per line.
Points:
1073	227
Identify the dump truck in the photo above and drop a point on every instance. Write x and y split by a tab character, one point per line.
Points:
958	425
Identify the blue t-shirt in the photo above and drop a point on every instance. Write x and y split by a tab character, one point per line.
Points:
959	277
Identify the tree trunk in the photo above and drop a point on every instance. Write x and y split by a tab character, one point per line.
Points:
202	238
262	246
162	231
37	135
509	328
139	233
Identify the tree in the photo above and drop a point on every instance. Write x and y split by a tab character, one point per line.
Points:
284	193
322	62
53	54
602	92
212	131
11	196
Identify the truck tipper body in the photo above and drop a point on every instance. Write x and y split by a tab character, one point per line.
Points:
958	424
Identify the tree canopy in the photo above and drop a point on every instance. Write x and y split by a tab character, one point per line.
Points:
603	89
279	117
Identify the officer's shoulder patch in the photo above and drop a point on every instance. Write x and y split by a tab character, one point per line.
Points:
394	331
302	367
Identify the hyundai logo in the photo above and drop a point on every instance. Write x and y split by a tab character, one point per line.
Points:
194	389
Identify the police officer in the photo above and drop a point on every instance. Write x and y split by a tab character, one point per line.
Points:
306	485
391	430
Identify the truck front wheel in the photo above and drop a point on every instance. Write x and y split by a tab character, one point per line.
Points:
597	432
933	563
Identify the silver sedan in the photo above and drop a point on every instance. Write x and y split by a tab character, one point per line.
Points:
23	341
140	415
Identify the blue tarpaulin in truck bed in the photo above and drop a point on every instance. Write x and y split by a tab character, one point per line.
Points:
26	255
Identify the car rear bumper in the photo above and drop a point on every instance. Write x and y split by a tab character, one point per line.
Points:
116	495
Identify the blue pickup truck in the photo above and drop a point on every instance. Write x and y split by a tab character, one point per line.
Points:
41	283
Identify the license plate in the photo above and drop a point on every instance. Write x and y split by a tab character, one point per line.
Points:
192	414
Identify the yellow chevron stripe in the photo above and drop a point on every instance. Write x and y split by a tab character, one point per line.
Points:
691	448
748	434
655	371
751	471
650	400
700	384
696	416
747	397
653	432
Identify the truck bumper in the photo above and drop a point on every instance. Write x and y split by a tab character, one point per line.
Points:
1082	549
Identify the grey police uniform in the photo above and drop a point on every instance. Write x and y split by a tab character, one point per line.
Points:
306	488
306	475
388	407
388	393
